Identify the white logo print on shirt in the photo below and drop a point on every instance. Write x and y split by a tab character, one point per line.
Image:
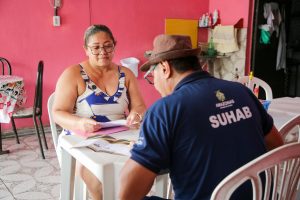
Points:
228	117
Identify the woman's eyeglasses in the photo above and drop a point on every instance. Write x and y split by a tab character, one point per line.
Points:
149	74
96	50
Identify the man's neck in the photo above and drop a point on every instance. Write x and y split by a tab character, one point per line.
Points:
177	77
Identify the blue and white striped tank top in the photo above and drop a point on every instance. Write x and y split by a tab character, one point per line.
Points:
98	105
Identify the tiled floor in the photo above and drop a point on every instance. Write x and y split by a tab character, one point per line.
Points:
23	172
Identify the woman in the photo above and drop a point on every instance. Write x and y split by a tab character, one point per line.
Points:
96	90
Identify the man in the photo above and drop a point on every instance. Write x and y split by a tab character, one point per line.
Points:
201	130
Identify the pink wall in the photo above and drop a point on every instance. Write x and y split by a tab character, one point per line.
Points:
27	35
231	11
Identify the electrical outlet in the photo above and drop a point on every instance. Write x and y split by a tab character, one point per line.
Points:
236	74
56	21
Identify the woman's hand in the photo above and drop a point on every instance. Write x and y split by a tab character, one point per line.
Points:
131	144
87	126
134	119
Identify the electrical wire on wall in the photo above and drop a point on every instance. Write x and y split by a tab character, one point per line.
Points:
90	12
56	4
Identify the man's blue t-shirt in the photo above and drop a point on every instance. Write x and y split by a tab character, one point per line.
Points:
201	132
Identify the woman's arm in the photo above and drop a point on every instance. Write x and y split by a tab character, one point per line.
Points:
137	105
67	88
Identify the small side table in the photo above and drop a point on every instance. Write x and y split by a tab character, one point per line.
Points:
12	94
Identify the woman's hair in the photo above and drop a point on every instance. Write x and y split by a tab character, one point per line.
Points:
93	29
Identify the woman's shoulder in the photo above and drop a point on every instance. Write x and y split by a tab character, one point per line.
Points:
71	73
128	73
72	70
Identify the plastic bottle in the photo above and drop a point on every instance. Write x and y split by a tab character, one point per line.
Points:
211	47
206	20
209	20
202	21
256	90
215	16
250	79
199	22
251	76
256	87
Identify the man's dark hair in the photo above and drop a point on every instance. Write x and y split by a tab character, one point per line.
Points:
185	64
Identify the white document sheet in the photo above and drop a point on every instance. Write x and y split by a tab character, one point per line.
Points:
100	144
121	122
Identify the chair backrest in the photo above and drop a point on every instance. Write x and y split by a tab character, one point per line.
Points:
281	167
290	131
51	120
80	188
38	97
257	82
53	126
6	67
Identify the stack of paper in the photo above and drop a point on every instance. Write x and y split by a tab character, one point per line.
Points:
108	144
115	123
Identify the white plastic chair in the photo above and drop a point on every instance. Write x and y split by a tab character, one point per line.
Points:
290	131
169	189
80	188
257	82
52	123
281	167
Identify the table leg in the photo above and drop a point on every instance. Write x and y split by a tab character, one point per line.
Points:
1	151
80	192
67	176
108	182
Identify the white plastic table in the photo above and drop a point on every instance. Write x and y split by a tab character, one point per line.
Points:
284	109
105	166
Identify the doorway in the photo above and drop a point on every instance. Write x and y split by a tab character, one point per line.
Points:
270	61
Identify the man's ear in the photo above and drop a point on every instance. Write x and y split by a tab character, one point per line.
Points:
167	71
